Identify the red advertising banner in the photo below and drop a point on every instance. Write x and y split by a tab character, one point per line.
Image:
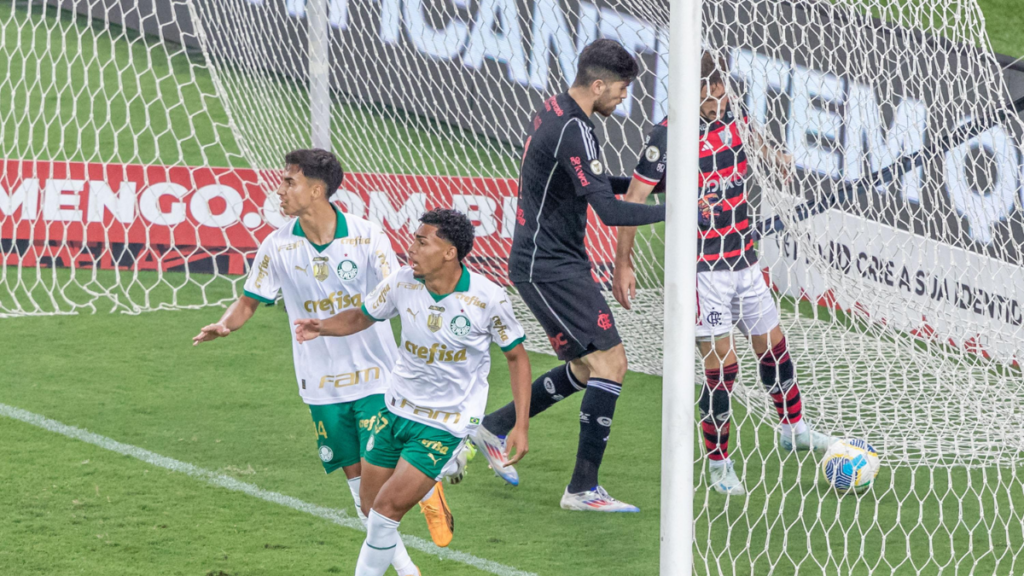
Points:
174	218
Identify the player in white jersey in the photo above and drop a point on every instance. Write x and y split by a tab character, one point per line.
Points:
438	391
324	261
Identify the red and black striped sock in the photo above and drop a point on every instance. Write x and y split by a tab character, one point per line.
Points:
716	410
779	379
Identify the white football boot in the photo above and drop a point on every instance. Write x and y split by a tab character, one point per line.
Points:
725	481
462	459
807	440
596	500
493	448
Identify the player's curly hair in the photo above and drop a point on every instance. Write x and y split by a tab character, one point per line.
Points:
318	164
452	226
607	60
712	66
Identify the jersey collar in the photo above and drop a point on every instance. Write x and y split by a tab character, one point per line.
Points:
461	286
570	103
340	230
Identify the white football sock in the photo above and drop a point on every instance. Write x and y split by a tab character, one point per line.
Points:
789	430
379	547
402	562
429	494
718	463
353	486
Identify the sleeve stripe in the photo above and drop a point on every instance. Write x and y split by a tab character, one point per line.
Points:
514	343
257	297
586	141
370	316
644	179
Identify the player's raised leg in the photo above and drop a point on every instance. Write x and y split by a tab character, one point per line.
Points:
553	386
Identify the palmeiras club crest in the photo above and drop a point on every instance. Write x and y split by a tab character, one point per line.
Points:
460	325
434	320
321	266
347	270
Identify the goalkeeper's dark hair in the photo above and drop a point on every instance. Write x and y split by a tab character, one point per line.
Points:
607	60
712	66
452	226
318	164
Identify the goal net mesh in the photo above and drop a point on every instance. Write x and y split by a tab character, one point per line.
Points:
142	144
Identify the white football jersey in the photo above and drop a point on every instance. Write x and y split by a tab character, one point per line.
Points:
319	282
440	378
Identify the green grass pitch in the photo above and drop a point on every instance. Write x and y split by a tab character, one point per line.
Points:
67	507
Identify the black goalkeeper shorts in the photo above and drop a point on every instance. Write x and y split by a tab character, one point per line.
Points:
573	313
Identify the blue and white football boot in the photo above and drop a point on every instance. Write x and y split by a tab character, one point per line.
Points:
493	448
596	500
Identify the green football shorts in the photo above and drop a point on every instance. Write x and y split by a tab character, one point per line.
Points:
428	449
343	429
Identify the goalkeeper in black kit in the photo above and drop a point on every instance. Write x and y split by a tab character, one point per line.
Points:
561	175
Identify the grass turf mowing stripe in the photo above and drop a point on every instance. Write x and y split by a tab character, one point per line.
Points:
338	517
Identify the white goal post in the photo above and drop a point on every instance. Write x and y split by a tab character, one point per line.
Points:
677	420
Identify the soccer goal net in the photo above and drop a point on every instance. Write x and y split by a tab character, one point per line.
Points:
142	142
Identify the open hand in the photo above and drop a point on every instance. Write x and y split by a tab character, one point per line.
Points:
210	332
624	284
708	207
517	442
306	329
785	165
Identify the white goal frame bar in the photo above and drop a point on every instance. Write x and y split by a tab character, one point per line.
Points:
677	419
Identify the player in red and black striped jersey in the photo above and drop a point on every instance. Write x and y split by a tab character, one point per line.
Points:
731	290
725	228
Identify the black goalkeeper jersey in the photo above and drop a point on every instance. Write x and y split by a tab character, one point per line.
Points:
561	166
727	242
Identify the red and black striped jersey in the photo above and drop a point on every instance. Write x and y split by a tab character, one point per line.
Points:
727	242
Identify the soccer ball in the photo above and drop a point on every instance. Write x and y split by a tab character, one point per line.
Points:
851	465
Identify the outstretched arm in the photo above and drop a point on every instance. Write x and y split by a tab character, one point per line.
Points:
579	157
614	212
234	318
519	372
341	324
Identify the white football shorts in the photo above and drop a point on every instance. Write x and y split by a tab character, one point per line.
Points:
728	298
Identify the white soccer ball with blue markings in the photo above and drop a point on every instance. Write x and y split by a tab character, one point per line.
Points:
851	465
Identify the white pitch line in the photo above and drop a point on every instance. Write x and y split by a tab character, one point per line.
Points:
338	517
